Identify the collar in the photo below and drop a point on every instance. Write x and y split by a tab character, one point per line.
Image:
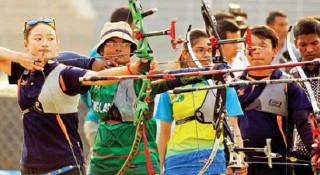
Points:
276	74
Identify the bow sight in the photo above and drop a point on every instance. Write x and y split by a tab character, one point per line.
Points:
236	160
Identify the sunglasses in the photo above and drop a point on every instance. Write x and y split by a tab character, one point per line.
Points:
33	22
114	45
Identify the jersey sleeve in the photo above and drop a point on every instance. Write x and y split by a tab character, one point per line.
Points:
233	106
74	59
297	98
70	81
16	72
164	108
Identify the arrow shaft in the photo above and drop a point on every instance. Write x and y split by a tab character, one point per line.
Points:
281	163
244	83
201	73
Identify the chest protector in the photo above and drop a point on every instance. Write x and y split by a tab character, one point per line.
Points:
197	105
52	96
273	99
123	106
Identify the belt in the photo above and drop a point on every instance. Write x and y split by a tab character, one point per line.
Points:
185	120
32	109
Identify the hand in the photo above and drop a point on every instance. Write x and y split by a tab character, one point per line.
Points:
133	67
154	65
243	170
238	171
315	162
146	65
314	169
315	159
229	171
99	65
31	63
221	66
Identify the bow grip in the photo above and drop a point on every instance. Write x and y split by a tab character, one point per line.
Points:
144	68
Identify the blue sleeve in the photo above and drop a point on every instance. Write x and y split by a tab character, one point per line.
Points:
93	53
86	98
91	116
164	109
233	106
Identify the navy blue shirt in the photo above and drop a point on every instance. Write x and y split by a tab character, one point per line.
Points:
45	145
74	59
257	126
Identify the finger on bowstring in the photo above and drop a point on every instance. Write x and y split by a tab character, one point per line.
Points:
39	63
110	63
40	59
115	64
27	62
38	66
36	59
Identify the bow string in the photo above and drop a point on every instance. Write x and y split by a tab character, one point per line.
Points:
216	43
143	51
211	29
314	118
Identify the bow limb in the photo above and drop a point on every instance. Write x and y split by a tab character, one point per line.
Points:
143	52
211	28
315	128
210	23
139	121
302	75
216	138
216	143
314	118
143	48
